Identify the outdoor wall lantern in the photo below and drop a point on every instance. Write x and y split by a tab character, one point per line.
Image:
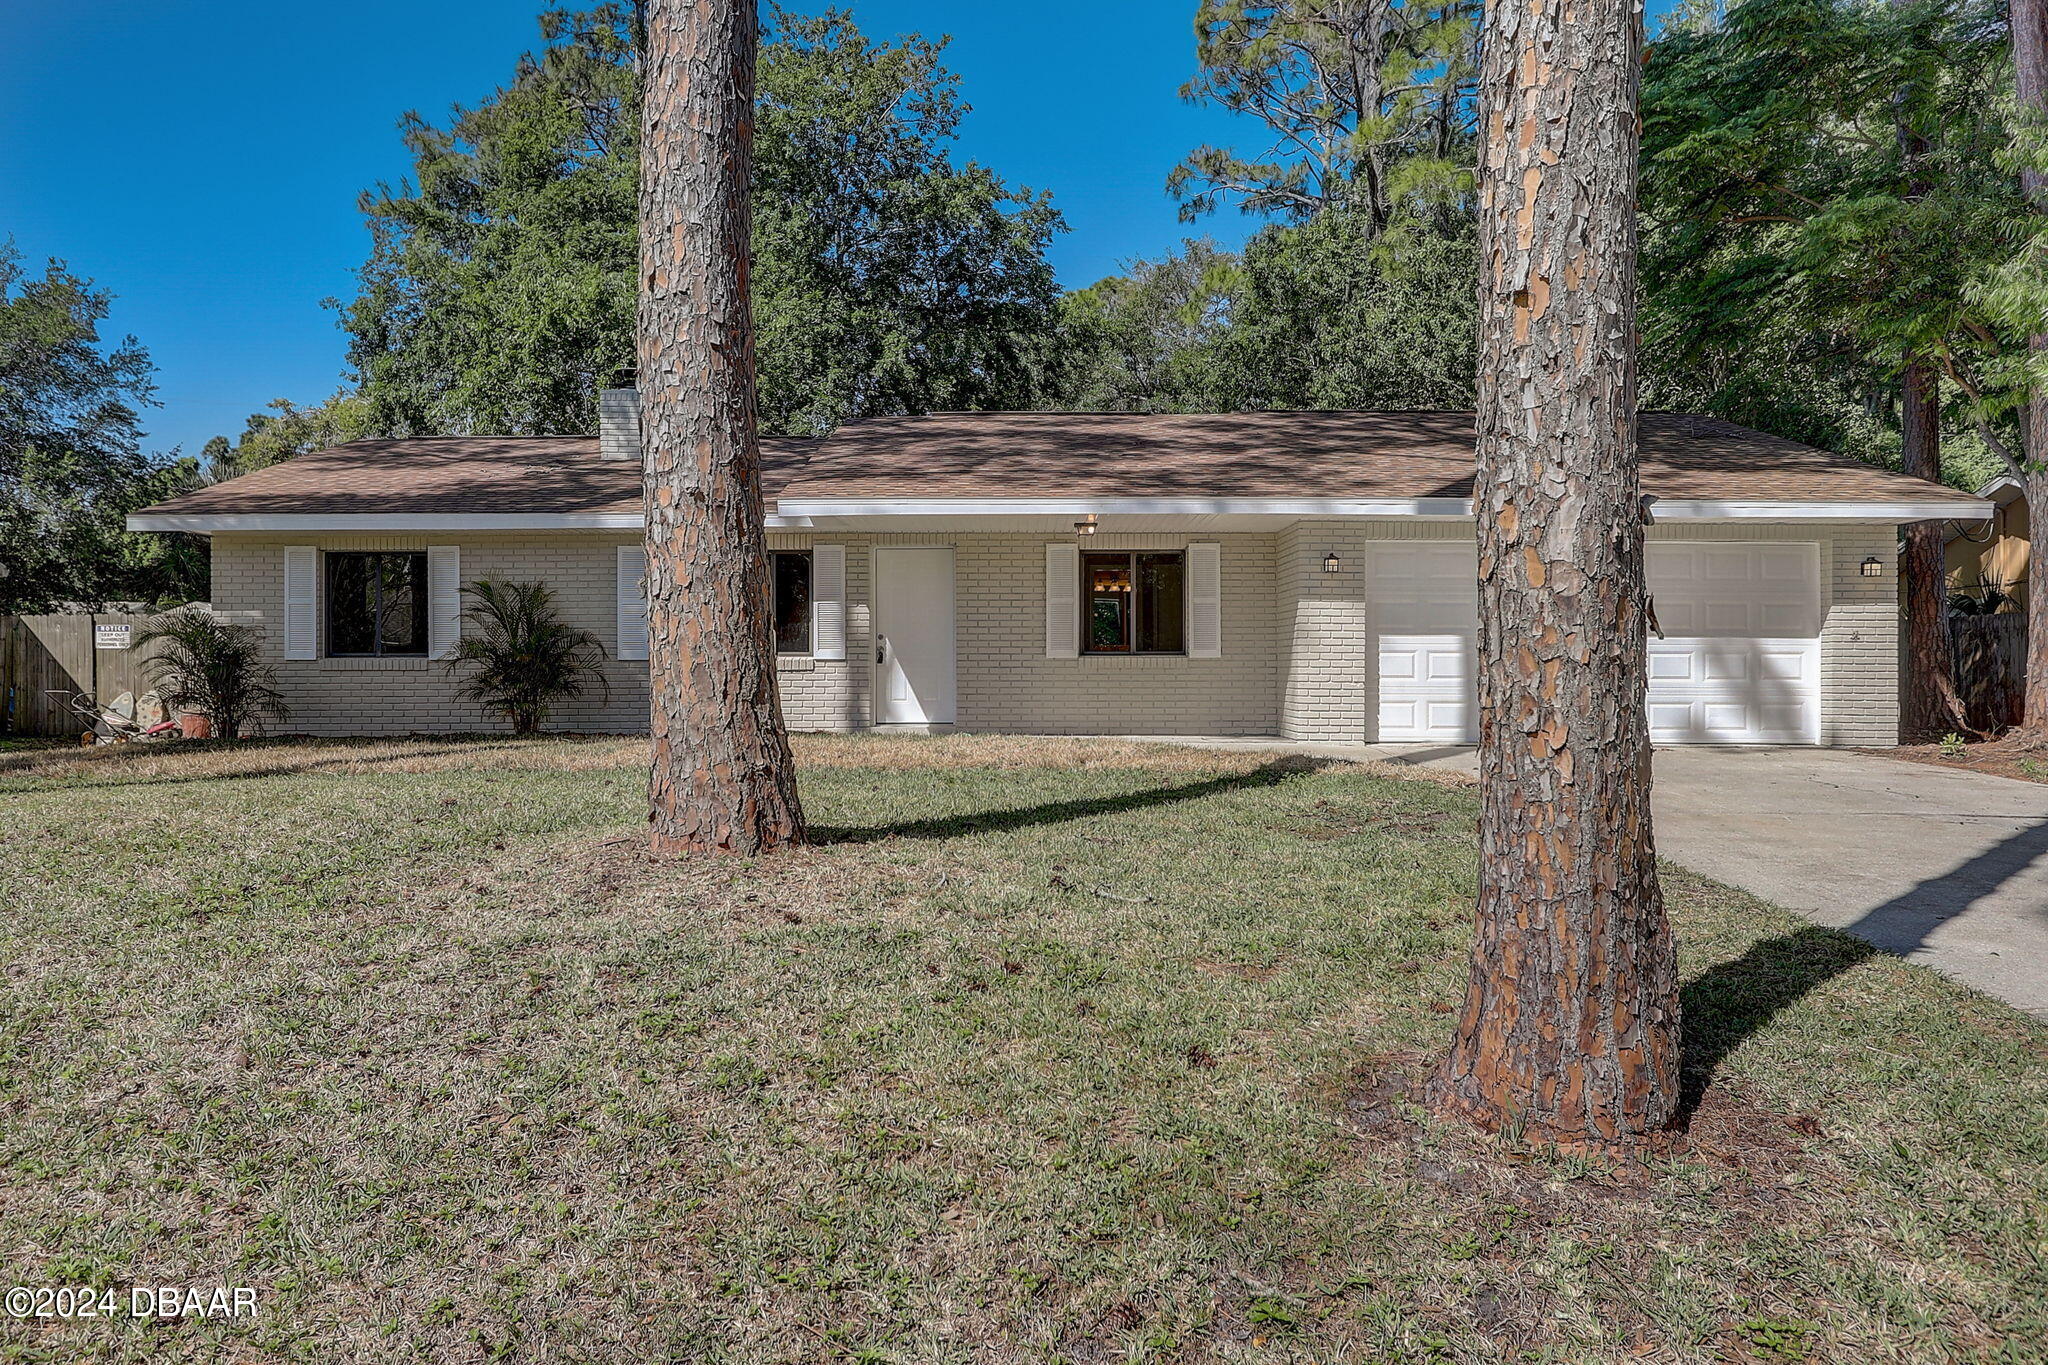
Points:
1873	567
1332	564
1085	526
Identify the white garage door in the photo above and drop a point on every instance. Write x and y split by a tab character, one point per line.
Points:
1425	614
1740	659
1739	664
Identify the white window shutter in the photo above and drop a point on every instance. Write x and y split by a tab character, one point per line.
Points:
1062	601
444	600
1205	600
828	601
301	570
632	602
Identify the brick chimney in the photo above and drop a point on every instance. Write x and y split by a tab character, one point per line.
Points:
618	424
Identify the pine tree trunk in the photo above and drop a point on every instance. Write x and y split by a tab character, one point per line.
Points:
2030	60
1570	1028
722	777
1933	706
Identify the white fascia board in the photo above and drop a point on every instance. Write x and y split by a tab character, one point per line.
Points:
415	521
1126	507
1706	510
801	514
1447	508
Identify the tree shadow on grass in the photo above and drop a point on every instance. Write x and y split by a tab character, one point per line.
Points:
1727	1005
1058	812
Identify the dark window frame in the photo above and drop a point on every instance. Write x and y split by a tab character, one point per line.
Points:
1088	649
810	623
331	562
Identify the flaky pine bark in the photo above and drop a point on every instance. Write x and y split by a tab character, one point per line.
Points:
1933	707
2030	62
1570	1025
722	777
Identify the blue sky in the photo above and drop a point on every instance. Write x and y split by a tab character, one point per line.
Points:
202	159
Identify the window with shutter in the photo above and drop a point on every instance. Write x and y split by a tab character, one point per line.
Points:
632	600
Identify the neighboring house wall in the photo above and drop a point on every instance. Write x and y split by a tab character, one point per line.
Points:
1994	554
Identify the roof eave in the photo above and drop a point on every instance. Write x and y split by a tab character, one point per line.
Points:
812	513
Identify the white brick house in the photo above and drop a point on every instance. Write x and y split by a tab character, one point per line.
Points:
1307	575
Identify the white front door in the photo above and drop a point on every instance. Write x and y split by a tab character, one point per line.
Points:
914	636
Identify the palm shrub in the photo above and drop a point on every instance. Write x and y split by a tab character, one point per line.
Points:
521	655
214	666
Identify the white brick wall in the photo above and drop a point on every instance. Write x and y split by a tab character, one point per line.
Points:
1297	657
1005	680
1859	644
1330	687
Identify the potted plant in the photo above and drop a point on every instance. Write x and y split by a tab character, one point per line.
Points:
212	671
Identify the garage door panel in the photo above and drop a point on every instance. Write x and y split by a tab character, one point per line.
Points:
1427	687
1670	666
1739	662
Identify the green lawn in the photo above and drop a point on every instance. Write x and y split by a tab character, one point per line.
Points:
1052	1051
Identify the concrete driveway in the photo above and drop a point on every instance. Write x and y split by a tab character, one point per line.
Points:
1945	867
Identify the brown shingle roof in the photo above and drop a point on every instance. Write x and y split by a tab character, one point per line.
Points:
1041	455
454	475
1292	454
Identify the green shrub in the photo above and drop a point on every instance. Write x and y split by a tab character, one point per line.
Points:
522	656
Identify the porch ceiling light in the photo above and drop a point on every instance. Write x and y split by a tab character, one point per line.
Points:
1873	567
1332	564
1085	526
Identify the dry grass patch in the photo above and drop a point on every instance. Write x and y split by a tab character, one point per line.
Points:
1041	1058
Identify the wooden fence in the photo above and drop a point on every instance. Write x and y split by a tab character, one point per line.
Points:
40	655
1991	668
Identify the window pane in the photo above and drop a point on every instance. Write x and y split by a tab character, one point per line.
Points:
792	603
1106	582
351	604
1162	620
404	626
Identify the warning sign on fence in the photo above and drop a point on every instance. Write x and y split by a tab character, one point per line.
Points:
111	637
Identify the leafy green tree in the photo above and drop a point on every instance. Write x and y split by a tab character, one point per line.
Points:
1145	341
499	295
287	430
1361	294
1368	103
71	459
1335	313
521	658
1793	260
1316	315
1827	174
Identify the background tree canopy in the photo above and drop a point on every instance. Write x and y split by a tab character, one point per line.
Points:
1362	293
500	293
1797	253
71	462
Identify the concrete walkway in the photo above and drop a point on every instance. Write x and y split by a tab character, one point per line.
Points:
1945	867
